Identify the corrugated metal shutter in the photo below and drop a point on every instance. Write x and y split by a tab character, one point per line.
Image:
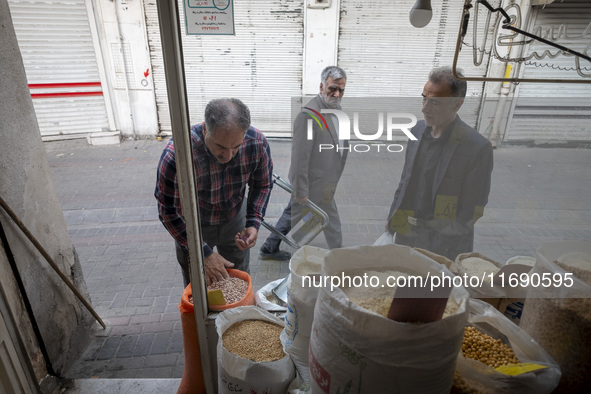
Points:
555	112
385	56
59	57
261	64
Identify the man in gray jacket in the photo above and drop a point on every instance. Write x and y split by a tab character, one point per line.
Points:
446	177
315	168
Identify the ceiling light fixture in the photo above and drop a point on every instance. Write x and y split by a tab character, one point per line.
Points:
421	13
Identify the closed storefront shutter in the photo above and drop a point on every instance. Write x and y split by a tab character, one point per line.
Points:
385	56
56	44
555	112
261	64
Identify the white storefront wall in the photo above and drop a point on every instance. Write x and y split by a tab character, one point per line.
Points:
96	65
385	56
261	64
123	42
535	112
88	67
555	112
281	46
56	42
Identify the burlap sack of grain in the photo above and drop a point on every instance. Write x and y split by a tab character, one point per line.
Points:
308	260
559	317
355	350
237	374
485	379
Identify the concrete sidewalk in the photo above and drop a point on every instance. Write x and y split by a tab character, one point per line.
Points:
135	283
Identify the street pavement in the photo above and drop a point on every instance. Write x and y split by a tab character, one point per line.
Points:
135	283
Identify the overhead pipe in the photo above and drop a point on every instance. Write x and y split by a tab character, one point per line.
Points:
495	136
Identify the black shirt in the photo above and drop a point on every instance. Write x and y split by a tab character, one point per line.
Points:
419	197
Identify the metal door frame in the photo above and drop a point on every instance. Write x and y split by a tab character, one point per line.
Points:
172	54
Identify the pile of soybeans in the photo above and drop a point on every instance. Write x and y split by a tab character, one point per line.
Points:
484	348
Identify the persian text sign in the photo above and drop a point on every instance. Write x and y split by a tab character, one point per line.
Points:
213	17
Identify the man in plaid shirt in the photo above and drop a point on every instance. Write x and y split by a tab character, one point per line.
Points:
228	155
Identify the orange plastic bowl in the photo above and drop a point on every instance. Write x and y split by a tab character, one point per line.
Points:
248	299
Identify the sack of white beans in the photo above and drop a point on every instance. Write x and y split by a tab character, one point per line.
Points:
354	348
308	260
479	272
246	334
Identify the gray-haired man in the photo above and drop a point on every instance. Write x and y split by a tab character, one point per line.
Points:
314	173
228	155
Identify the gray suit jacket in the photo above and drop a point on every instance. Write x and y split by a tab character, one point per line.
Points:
460	190
315	173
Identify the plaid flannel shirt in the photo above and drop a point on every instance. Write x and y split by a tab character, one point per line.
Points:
220	187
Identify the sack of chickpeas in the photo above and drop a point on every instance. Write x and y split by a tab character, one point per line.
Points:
499	357
355	347
250	353
308	260
557	312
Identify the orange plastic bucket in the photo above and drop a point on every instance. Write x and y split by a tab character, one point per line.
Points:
192	381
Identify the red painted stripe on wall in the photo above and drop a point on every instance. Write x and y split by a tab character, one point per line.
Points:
65	94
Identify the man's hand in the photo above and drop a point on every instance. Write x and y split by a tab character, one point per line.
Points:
301	200
215	268
247	238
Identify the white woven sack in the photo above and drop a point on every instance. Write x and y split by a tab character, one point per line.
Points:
300	309
562	311
354	350
487	380
264	297
237	374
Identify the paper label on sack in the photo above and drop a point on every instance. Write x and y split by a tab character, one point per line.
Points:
518	369
216	297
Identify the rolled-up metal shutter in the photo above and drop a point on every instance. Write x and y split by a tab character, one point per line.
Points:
261	65
555	112
58	52
385	56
